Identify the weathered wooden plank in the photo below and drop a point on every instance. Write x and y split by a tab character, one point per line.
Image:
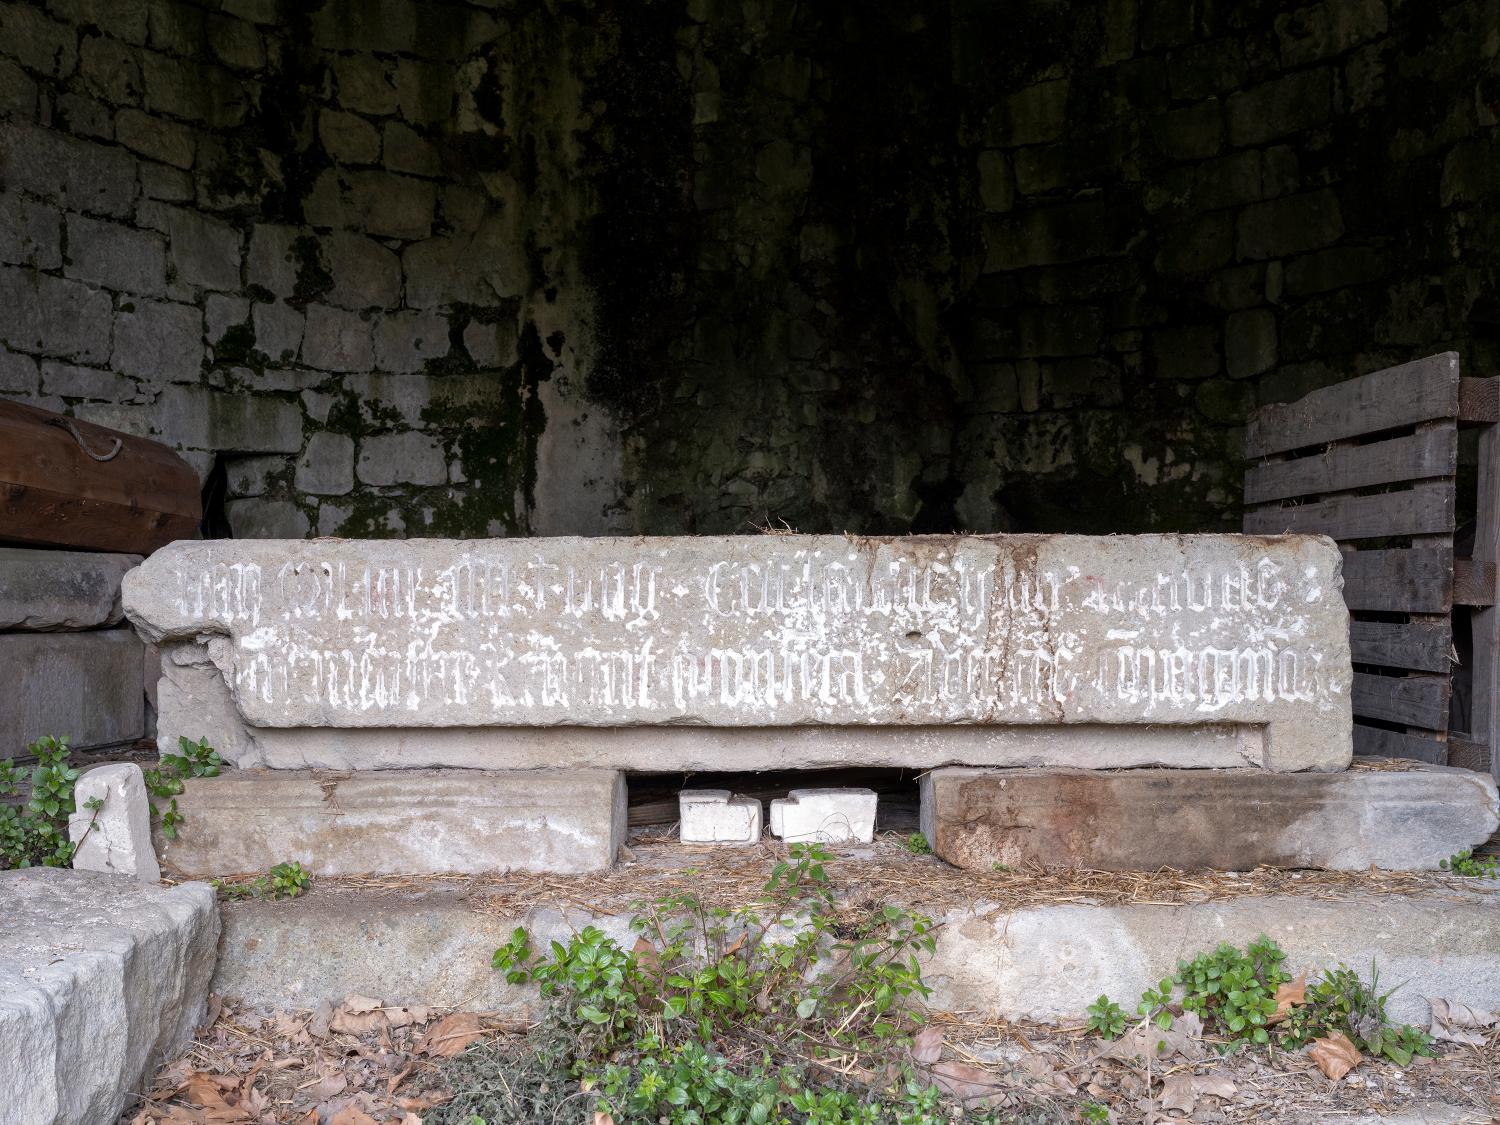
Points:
1424	510
1415	701
1376	742
1399	581
1479	400
1469	755
1484	704
1422	646
1429	453
1382	400
1473	582
69	483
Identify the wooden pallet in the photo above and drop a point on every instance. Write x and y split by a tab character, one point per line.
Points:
1373	463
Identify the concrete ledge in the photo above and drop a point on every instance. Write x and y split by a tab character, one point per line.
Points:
433	946
411	822
1233	820
101	977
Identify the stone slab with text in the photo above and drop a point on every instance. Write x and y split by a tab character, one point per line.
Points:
638	653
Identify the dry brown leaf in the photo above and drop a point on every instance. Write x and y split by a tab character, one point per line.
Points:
1288	996
359	1004
1146	1041
1182	1091
205	1090
351	1115
1335	1055
1459	1023
317	1027
602	1118
358	1023
403	1017
969	1084
410	1119
927	1045
450	1036
331	1085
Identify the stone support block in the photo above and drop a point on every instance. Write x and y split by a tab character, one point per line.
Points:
399	822
829	816
1236	820
101	978
716	816
86	686
117	838
47	591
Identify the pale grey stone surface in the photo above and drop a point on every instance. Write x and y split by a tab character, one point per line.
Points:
115	839
1144	820
54	316
101	978
157	137
44	591
408	340
29	232
258	518
717	816
87	686
158	340
415	822
116	256
278	331
772	631
205	251
270	263
828	816
365	274
405	458
336	340
327	465
992	959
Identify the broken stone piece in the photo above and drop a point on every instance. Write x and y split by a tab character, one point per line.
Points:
716	816
119	840
46	591
1226	820
827	816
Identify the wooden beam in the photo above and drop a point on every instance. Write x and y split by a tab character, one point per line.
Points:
1479	400
1473	582
1413	701
1383	400
1421	646
1377	742
1484	705
1424	510
1399	581
1429	453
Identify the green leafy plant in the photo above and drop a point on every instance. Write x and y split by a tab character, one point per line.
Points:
1341	1001
165	781
36	834
1234	990
1106	1018
724	1015
285	880
1466	863
917	844
1093	1113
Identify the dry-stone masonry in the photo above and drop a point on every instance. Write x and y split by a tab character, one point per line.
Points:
359	638
102	977
1232	820
115	838
716	816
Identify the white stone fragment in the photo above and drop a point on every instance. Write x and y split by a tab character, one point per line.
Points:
716	816
827	816
120	840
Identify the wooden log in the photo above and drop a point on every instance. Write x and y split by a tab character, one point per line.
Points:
1424	510
1420	646
68	483
1382	400
1377	742
1414	701
1399	581
1484	707
1430	453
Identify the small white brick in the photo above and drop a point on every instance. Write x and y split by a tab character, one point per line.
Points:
715	816
829	816
120	841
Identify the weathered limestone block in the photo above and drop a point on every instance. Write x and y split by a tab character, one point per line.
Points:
83	685
828	816
43	591
411	822
118	839
716	816
1244	633
101	977
1142	820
